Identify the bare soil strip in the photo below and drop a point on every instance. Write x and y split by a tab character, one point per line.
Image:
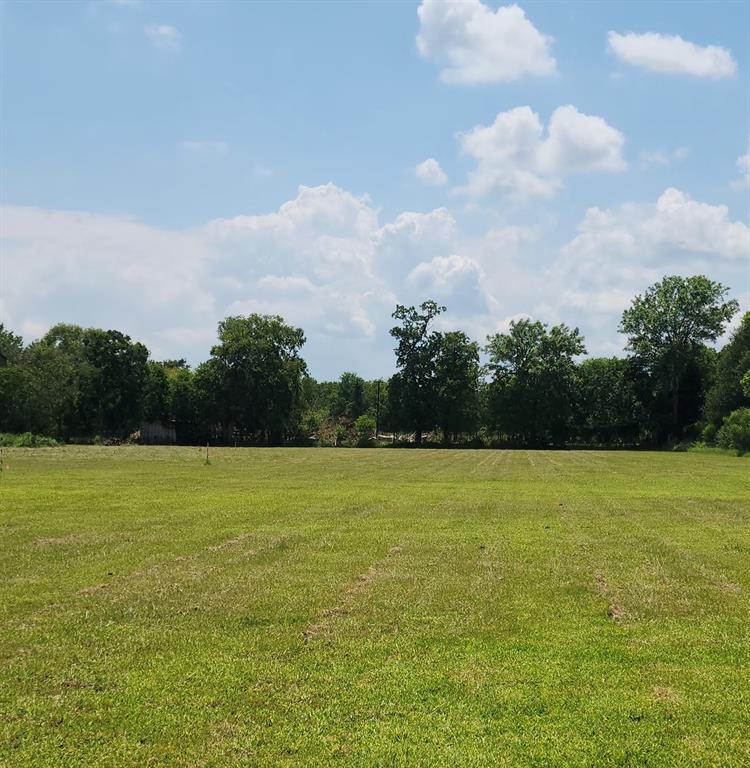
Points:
322	624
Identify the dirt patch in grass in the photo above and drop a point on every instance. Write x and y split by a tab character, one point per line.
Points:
73	539
719	580
229	543
665	693
156	569
322	625
92	589
616	610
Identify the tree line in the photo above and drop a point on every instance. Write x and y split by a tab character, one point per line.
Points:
535	388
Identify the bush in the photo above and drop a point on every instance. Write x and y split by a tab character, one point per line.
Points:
682	447
340	435
735	431
365	428
708	435
26	440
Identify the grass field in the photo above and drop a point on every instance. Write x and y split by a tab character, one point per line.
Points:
374	607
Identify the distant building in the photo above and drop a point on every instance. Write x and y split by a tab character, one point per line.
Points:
156	433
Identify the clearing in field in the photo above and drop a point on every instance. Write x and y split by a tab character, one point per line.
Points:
374	607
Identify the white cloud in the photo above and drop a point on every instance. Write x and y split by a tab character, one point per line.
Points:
671	54
430	172
514	157
325	262
64	266
164	37
652	159
205	147
578	143
743	166
411	239
658	158
455	277
619	251
474	44
676	229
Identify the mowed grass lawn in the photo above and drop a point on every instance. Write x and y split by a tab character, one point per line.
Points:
374	607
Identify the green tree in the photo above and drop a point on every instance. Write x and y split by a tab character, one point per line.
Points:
13	382
105	393
668	326
457	375
35	391
114	393
412	390
349	401
532	390
156	395
206	394
605	401
257	374
735	431
726	394
364	426
11	345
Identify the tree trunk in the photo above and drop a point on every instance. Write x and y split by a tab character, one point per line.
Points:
418	437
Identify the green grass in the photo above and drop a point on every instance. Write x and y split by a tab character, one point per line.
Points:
373	607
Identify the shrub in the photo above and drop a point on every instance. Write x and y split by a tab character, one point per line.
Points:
735	431
708	435
27	440
365	428
341	433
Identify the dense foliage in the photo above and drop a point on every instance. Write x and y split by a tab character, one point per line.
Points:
535	388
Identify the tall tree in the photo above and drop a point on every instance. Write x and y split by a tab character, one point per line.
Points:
257	372
457	384
605	401
115	391
668	326
412	389
532	391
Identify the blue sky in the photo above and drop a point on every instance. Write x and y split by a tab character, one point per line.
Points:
166	164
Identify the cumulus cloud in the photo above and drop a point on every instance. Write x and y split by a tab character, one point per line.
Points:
672	55
474	44
164	37
325	262
619	251
513	156
430	172
457	278
63	266
743	166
